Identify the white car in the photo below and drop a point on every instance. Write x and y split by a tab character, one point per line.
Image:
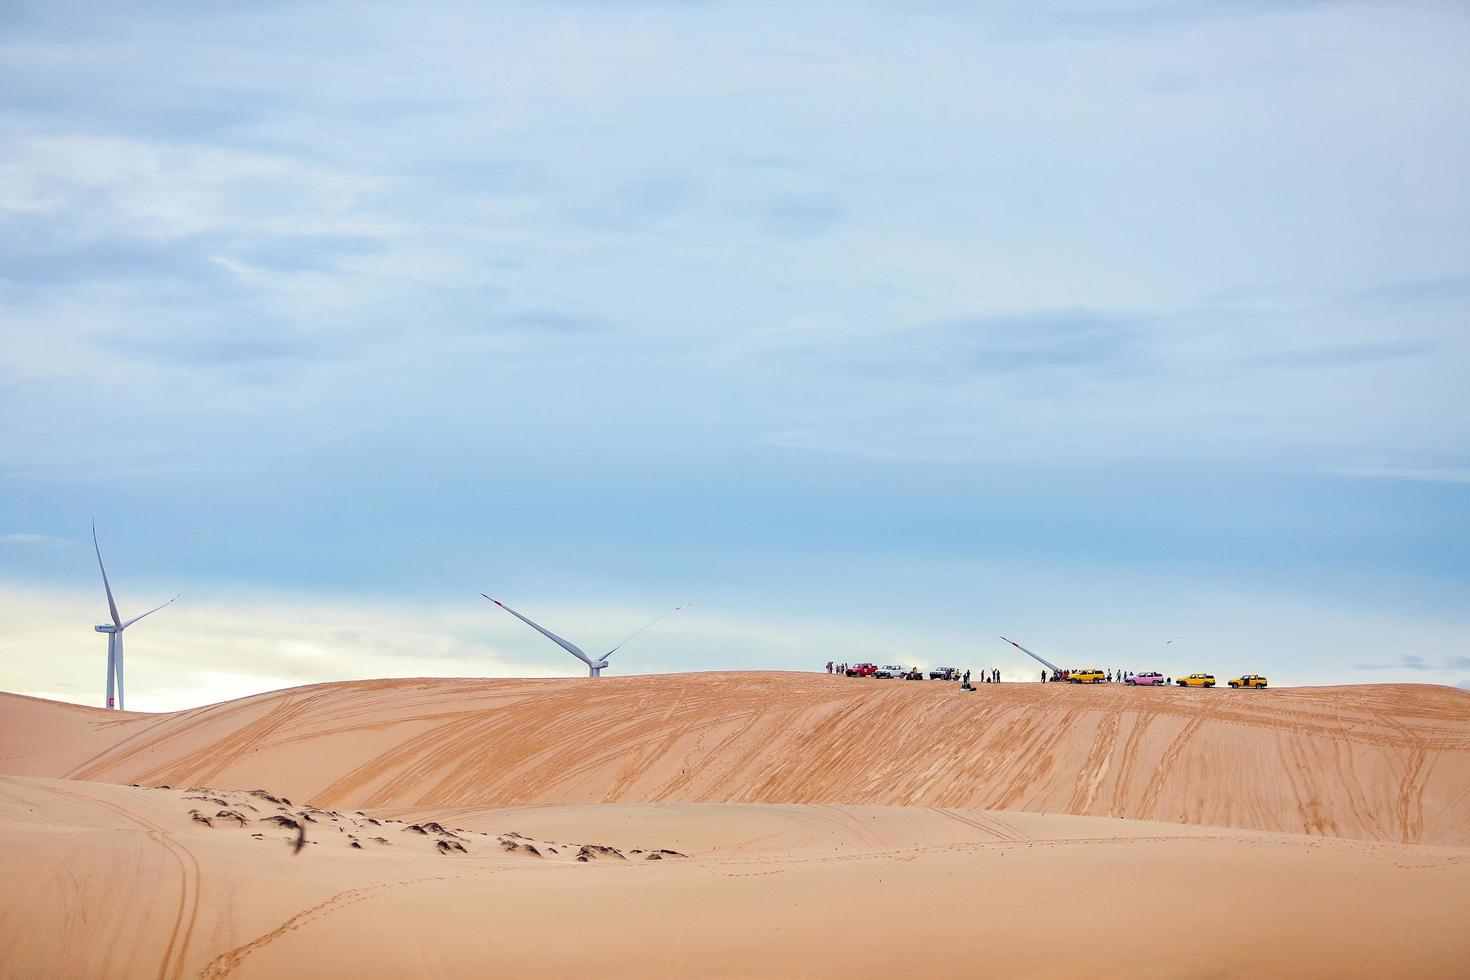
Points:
890	670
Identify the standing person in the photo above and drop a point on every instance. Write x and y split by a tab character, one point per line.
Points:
829	666
1043	677
967	677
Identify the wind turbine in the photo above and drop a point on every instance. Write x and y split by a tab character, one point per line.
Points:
114	631
1055	670
594	667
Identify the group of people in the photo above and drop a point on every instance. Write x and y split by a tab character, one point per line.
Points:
991	676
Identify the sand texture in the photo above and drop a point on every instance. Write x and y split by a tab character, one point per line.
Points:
1379	762
740	825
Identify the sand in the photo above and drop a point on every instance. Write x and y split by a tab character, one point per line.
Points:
1373	762
740	825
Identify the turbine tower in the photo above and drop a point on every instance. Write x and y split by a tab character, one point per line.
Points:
594	667
114	631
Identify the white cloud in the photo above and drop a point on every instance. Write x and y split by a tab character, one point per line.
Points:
27	538
1414	474
164	191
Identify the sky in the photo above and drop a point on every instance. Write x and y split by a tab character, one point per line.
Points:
1135	330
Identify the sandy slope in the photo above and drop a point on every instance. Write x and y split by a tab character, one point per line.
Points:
100	880
1378	763
119	881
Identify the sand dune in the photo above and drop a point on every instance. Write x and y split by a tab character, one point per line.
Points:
739	824
102	880
1379	763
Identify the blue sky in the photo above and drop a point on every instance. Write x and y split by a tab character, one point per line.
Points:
872	329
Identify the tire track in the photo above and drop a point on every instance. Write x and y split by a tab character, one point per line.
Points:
1131	749
228	962
1095	766
1411	798
182	929
986	825
1148	804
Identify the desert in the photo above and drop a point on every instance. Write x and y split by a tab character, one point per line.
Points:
656	488
751	824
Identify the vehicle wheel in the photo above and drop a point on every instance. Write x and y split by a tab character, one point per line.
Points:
1209	684
1233	684
1129	682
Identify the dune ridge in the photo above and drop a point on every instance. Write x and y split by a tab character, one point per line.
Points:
1386	763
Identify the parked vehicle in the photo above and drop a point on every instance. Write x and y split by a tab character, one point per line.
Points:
1197	680
1149	678
914	675
944	674
890	671
1088	675
1249	680
861	670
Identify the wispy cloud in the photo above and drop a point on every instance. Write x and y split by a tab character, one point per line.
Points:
1342	355
29	538
1411	661
1412	474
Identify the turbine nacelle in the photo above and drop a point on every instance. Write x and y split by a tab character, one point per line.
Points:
107	628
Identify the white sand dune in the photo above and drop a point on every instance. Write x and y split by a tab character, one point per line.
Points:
803	826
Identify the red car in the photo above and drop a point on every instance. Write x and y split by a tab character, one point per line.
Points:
862	670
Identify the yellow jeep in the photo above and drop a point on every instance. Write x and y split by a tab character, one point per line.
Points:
1090	675
1249	680
1197	680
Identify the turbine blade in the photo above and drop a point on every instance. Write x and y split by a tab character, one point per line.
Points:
569	647
640	630
116	619
148	613
1047	663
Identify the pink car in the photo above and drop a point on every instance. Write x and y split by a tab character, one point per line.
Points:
1152	678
